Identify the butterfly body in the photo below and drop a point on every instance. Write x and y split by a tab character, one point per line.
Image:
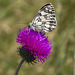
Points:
44	20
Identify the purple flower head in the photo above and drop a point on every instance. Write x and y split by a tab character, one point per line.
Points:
35	45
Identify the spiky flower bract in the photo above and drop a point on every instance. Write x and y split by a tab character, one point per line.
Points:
35	45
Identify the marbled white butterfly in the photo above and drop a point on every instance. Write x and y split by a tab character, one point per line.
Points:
44	20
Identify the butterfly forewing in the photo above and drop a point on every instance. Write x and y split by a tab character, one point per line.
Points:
44	20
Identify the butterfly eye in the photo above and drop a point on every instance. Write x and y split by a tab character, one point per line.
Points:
28	26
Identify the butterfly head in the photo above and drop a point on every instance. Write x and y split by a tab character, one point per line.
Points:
31	26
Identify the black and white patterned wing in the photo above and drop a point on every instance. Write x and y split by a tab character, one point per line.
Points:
44	20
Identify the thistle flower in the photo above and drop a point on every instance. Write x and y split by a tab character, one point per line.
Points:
34	45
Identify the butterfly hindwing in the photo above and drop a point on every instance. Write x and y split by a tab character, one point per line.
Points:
44	20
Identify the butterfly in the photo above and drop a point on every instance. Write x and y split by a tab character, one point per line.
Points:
44	20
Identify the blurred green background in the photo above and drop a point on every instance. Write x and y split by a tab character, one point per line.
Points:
16	14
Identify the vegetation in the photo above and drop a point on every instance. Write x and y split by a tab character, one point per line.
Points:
16	14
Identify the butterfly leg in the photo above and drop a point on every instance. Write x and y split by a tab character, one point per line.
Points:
28	32
41	36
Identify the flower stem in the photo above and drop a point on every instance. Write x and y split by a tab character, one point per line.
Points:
19	66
